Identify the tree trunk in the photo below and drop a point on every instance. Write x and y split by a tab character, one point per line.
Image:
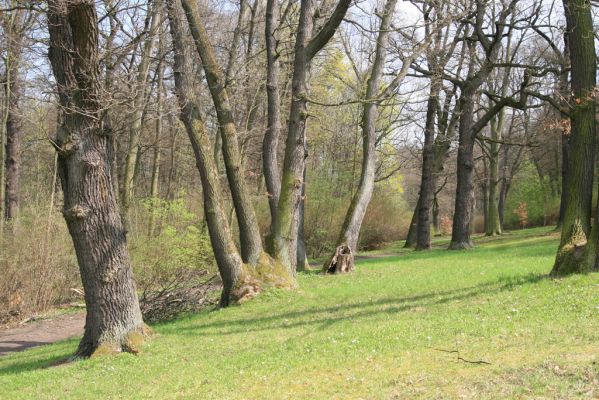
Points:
14	118
493	224
565	173
413	228
240	281
114	322
464	198
271	137
138	112
428	181
350	231
155	183
571	254
249	233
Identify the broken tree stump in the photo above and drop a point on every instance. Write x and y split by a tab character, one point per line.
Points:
342	261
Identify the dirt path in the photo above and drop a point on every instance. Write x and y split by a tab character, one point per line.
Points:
41	332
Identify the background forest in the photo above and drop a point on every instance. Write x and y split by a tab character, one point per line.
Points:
420	65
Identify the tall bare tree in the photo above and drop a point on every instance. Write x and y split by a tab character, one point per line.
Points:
113	322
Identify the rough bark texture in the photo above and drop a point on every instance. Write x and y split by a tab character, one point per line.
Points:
249	233
469	127
240	281
114	322
341	262
573	254
350	230
413	228
462	216
428	181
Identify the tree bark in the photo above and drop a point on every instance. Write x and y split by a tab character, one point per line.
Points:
113	322
271	137
138	111
428	181
350	231
249	233
240	281
572	255
14	119
157	156
286	225
413	228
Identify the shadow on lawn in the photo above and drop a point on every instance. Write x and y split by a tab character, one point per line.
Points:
330	315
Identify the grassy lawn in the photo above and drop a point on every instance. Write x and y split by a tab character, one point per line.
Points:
386	331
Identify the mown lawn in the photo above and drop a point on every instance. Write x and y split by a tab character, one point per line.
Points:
386	331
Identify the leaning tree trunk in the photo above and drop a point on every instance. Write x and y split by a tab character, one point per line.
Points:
240	281
357	210
114	322
571	255
249	233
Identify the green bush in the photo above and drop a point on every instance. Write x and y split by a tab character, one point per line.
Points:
180	244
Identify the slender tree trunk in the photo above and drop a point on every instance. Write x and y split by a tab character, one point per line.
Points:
157	156
249	233
271	137
571	255
493	224
138	111
14	118
350	231
114	322
240	281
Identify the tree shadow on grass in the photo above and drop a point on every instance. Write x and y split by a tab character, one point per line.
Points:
37	362
328	316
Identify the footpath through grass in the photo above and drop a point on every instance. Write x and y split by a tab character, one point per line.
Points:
388	331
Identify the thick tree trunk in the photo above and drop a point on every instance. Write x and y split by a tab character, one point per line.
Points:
284	235
114	322
571	255
428	181
249	233
413	228
271	137
565	174
350	231
462	216
240	281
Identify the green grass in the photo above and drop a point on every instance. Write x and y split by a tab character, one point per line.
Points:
378	333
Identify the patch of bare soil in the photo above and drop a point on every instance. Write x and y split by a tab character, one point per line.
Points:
40	332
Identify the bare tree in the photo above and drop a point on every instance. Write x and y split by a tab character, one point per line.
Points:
114	322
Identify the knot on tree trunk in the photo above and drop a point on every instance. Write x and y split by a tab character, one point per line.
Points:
342	261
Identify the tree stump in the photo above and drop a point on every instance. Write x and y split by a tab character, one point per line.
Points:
342	261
